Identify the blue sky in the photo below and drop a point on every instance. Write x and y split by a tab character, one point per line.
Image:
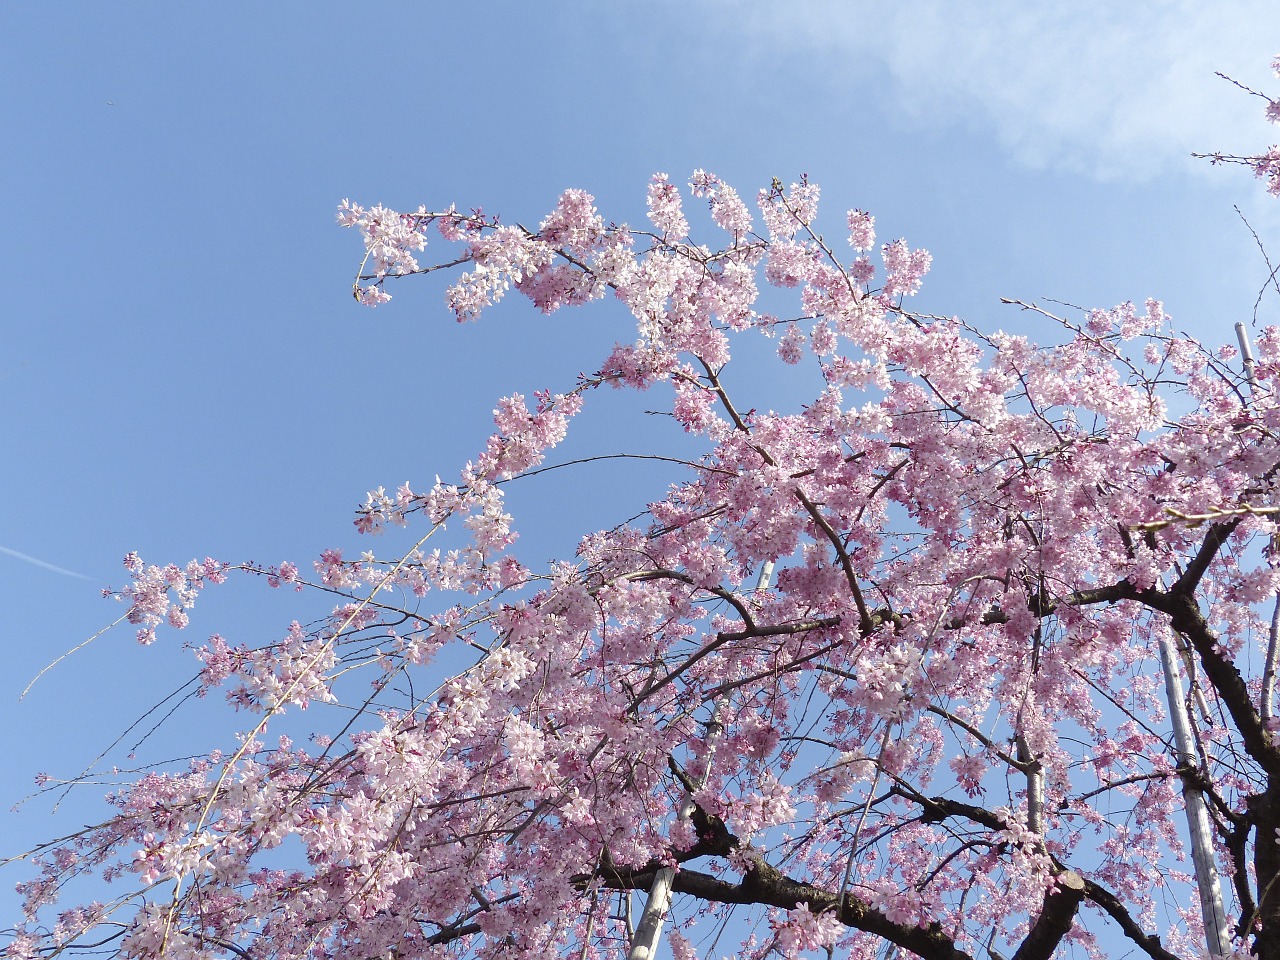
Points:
183	370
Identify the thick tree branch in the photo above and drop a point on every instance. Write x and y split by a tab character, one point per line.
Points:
766	885
1185	617
1111	905
1043	607
937	809
1061	901
1199	565
1236	842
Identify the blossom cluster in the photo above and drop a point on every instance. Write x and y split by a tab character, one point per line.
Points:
881	665
1267	165
164	595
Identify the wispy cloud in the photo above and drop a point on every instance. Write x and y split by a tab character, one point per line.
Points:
1105	89
36	562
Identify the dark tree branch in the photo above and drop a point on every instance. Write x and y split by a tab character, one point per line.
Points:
1061	901
1199	564
449	934
1185	617
1042	607
768	886
1236	842
1111	905
937	809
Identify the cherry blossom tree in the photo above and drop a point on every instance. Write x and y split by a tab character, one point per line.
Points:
880	675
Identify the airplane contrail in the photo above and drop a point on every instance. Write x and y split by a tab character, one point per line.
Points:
40	563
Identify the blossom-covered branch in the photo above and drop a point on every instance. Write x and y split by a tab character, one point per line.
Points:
939	726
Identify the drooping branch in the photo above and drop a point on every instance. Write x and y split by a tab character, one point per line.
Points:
1007	758
642	576
823	524
774	630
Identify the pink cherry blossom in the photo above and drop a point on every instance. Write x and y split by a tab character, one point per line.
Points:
882	667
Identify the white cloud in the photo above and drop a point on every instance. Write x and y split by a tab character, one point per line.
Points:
1107	89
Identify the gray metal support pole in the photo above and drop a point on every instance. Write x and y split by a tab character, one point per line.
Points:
1216	932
